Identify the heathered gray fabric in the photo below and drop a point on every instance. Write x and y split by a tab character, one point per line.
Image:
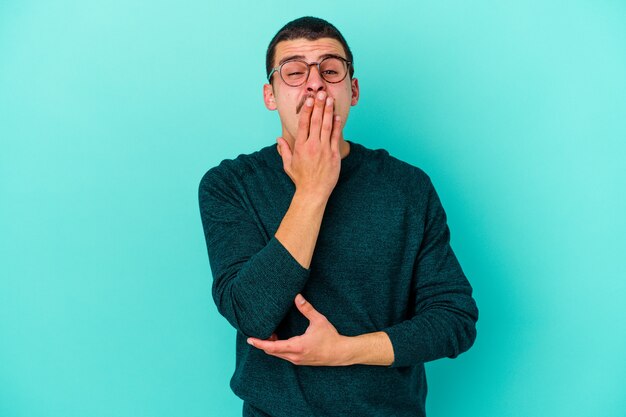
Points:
382	262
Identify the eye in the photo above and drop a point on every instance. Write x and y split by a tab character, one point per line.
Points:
294	70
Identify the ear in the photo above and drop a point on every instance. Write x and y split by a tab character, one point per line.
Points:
268	97
354	83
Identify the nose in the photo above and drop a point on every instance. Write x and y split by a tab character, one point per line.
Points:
315	82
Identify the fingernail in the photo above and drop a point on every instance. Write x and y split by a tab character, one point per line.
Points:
321	95
329	101
300	299
309	101
250	342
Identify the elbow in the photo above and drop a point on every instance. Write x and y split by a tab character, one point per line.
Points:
465	332
243	314
255	328
468	337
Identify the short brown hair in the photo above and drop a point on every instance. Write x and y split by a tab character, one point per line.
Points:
310	28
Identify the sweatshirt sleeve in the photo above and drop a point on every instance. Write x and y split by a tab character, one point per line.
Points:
443	322
255	278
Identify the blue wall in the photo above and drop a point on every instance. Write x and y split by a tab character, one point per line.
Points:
110	112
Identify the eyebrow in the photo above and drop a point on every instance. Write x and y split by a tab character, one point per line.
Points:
290	57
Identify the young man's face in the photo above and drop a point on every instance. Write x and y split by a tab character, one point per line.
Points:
288	100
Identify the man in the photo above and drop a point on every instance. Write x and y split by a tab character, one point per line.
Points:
331	260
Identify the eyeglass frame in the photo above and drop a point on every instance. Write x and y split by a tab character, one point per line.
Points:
308	68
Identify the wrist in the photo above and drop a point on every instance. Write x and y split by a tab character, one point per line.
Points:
348	351
310	198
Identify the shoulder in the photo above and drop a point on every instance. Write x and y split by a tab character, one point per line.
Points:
236	170
394	170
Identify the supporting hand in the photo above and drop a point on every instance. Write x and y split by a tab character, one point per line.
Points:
320	345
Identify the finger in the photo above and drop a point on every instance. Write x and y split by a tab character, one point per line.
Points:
279	346
304	120
336	135
307	309
285	153
316	117
327	121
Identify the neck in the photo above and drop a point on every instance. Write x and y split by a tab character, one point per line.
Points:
344	148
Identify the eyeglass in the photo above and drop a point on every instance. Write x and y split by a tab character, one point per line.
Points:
295	72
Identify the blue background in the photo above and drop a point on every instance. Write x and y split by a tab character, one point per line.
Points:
111	111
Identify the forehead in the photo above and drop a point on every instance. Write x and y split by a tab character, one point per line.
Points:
310	50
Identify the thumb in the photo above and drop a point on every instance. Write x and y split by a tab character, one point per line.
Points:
285	152
307	309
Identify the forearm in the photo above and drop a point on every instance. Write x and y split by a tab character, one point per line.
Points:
420	340
299	229
434	334
256	295
369	349
255	281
